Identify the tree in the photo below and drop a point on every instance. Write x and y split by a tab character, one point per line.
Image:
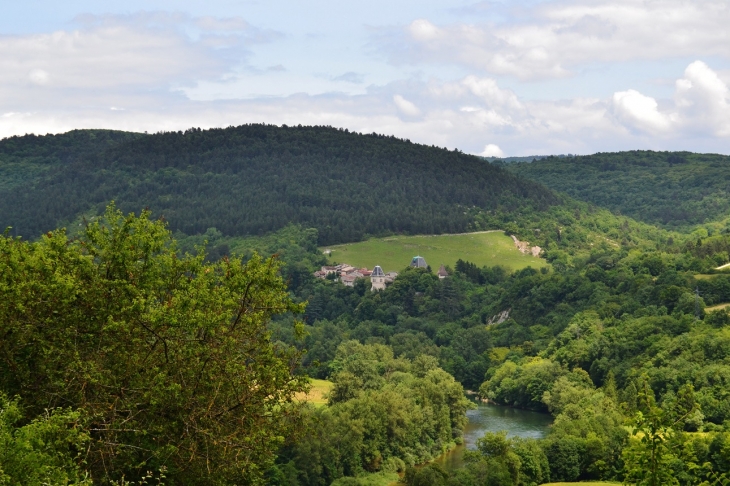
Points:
168	356
650	455
430	475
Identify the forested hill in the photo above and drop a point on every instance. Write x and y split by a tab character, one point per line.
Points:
254	179
672	189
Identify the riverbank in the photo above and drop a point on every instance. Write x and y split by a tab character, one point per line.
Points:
486	417
489	417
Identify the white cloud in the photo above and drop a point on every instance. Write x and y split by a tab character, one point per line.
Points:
141	73
704	100
38	76
111	55
639	111
492	150
423	30
405	106
558	37
701	106
488	90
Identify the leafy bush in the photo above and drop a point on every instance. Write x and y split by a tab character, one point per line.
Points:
50	449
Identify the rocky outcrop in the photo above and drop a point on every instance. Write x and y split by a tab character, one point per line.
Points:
499	318
525	248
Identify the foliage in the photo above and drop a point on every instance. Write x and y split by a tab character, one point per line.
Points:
256	179
673	189
497	461
47	450
385	413
167	357
656	447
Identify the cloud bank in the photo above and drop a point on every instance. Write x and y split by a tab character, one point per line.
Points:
557	38
150	71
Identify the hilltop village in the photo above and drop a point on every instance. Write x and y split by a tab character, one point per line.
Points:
348	274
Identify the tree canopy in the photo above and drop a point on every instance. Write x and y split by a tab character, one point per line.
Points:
673	189
254	179
166	358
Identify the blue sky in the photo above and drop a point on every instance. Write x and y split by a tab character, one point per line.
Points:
497	78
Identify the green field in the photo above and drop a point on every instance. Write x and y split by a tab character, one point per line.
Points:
395	252
708	276
589	483
317	395
717	307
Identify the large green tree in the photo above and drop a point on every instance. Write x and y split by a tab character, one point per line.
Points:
166	356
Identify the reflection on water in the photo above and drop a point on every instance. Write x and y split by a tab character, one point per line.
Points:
493	418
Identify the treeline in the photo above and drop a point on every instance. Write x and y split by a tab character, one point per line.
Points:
255	179
673	189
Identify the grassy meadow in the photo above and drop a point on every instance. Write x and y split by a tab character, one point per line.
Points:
394	253
317	395
717	307
589	483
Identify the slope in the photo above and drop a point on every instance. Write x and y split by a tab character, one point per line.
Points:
255	179
676	190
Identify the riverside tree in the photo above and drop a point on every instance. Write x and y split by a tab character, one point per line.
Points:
166	357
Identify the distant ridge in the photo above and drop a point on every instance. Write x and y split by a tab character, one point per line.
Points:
254	179
525	158
673	189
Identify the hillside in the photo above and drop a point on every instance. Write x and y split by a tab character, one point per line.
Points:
255	179
674	189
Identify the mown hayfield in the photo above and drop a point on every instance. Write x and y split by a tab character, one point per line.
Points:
394	253
318	394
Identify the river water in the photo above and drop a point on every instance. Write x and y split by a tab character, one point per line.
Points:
494	418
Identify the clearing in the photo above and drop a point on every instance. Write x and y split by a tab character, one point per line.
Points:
317	396
716	307
394	253
589	483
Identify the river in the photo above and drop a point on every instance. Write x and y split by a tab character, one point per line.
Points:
493	418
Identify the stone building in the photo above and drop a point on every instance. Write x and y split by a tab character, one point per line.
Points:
377	278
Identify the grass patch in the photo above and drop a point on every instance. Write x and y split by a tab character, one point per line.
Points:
372	479
317	396
710	276
589	483
717	307
395	252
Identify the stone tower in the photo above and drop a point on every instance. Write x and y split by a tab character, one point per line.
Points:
377	278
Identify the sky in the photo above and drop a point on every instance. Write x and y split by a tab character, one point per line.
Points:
496	78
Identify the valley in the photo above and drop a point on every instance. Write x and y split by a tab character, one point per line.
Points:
211	322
